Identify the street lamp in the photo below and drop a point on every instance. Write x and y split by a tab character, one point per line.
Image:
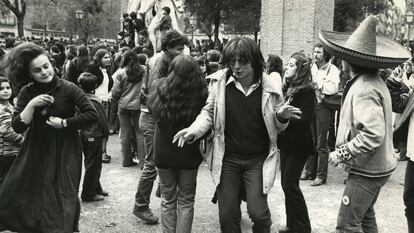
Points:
79	16
193	21
409	15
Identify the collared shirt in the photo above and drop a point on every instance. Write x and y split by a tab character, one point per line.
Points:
326	78
239	87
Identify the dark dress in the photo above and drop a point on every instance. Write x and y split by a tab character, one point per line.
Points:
40	193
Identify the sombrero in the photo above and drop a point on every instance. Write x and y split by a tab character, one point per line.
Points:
363	47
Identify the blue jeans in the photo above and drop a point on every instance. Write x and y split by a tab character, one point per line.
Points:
178	189
409	190
234	173
356	214
130	134
149	173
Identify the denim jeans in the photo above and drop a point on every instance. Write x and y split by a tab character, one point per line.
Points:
320	161
234	173
409	190
149	173
130	133
297	217
356	214
178	189
92	151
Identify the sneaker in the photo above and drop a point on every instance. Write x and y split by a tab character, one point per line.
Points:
147	216
318	182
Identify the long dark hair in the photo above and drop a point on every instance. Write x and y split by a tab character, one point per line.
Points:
178	100
133	68
82	57
17	64
97	58
248	51
275	64
302	79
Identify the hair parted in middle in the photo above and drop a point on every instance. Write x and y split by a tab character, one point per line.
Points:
100	53
180	98
133	69
248	51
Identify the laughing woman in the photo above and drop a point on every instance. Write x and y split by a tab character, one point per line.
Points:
296	141
40	193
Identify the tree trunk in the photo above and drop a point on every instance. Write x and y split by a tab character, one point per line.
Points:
20	28
216	26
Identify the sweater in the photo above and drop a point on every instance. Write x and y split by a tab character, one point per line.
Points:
10	141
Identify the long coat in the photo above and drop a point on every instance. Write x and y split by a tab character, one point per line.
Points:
212	117
40	192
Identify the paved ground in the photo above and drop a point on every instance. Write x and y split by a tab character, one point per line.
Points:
114	214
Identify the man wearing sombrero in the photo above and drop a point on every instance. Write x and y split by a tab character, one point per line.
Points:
364	141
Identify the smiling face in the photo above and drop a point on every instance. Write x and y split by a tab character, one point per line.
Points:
5	91
291	69
41	70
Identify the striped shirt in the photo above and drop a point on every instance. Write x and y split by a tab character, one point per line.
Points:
10	141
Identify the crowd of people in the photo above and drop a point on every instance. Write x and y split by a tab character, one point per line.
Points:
225	105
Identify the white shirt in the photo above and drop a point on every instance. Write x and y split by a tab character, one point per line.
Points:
326	78
239	87
102	90
276	76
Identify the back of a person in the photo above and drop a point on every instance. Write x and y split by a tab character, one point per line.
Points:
130	92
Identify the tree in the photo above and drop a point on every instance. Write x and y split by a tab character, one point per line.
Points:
18	7
348	13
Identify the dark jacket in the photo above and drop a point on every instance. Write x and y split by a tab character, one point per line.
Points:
76	67
99	128
95	70
298	136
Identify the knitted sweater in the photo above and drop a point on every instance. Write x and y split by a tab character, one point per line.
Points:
10	141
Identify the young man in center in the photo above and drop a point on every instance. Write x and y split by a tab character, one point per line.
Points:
245	111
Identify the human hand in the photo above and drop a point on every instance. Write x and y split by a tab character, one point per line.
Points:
183	136
289	112
55	122
397	74
41	100
334	158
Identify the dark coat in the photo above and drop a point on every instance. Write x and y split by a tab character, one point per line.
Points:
95	70
76	67
40	192
298	136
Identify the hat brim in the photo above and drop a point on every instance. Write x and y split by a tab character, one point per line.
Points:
389	53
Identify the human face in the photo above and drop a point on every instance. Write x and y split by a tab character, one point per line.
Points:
291	68
203	67
177	50
318	55
5	91
408	68
41	70
242	69
106	60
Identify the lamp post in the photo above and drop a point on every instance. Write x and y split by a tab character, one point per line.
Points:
409	15
79	16
193	21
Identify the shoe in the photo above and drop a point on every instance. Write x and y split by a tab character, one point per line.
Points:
131	164
318	182
97	197
106	158
147	216
104	193
306	177
285	230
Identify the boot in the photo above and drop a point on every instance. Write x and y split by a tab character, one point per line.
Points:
410	224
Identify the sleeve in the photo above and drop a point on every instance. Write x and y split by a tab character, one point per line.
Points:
204	121
87	113
307	101
116	89
399	100
369	121
331	83
22	100
9	134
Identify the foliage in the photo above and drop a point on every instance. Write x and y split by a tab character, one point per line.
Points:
348	13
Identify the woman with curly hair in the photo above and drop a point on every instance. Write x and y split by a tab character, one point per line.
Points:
296	142
274	68
40	192
175	104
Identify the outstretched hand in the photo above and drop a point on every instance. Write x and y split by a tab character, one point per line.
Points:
289	112
183	136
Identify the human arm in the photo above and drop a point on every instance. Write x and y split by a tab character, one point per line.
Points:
398	98
8	132
117	88
330	85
